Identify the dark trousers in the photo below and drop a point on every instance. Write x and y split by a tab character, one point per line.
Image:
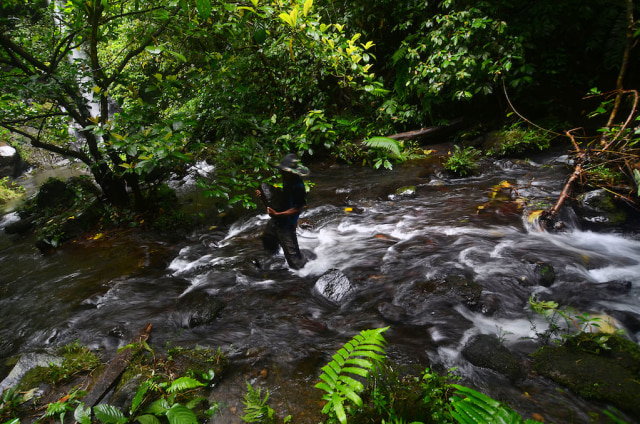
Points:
276	235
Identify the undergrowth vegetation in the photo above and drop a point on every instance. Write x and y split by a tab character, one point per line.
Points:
359	385
9	190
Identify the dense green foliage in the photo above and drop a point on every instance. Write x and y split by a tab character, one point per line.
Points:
9	190
153	86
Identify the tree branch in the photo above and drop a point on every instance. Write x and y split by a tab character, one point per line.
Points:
36	142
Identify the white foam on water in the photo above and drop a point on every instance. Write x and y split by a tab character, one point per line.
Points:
503	327
248	228
9	219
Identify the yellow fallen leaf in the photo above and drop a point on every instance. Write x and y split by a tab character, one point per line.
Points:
98	236
348	210
534	215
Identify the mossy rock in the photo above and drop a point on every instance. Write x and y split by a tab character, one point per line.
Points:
486	351
198	361
600	207
582	365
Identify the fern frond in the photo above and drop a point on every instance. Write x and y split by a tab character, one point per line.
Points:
389	144
184	383
358	357
476	407
256	408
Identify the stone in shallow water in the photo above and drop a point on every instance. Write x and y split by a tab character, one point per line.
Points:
486	351
197	308
334	286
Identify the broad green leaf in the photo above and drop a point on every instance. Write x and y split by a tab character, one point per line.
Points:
82	415
109	414
180	414
148	419
158	407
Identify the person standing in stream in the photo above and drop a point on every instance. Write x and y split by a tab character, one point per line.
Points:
284	207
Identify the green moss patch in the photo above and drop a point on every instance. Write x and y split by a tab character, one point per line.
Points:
608	375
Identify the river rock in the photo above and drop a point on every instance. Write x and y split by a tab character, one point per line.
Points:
334	286
20	226
460	287
600	207
27	362
403	193
581	295
537	273
11	163
490	304
486	351
196	308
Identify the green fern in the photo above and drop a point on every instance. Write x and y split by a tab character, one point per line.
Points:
256	409
357	357
476	407
184	383
389	144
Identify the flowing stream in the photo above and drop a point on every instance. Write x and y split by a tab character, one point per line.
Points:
392	246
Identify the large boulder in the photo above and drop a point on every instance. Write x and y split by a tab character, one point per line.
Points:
11	163
594	372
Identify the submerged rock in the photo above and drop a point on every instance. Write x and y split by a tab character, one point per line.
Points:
197	308
334	286
538	273
486	351
459	287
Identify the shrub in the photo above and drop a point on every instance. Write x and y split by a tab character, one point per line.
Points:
463	161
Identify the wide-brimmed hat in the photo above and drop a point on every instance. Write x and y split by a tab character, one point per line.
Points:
291	163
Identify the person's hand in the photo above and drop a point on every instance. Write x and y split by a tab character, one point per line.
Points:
271	211
258	193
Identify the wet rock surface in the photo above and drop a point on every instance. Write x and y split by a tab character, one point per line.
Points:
609	375
334	286
486	351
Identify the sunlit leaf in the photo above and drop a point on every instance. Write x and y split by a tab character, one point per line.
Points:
307	6
534	216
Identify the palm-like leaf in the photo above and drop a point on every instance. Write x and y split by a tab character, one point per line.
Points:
393	146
